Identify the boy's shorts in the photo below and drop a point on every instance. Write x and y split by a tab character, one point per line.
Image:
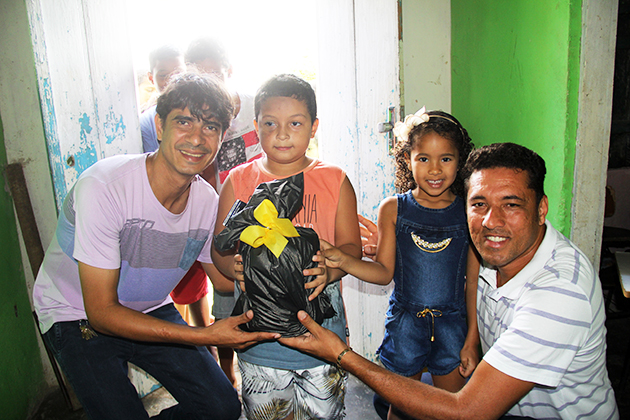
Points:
270	393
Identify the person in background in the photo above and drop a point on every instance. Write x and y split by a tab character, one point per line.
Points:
539	309
164	63
277	379
240	145
130	228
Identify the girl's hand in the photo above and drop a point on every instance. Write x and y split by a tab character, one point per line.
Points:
469	356
322	276
327	257
238	271
334	257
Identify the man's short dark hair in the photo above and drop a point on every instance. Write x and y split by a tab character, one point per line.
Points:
204	48
163	53
287	86
508	155
204	95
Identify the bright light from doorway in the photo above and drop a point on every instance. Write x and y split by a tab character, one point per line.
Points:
263	38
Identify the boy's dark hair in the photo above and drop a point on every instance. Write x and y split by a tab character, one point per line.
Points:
444	125
204	95
203	48
511	156
165	52
287	86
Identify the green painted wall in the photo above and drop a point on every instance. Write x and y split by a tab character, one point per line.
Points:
515	72
21	374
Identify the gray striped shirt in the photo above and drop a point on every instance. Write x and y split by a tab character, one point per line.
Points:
546	325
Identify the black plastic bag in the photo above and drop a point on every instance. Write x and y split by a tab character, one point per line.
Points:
275	284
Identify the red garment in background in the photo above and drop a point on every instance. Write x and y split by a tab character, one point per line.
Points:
192	287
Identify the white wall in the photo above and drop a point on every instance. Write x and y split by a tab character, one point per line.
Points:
426	55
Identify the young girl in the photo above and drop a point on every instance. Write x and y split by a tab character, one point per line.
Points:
423	245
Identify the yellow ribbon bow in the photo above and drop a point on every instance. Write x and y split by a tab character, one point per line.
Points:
272	232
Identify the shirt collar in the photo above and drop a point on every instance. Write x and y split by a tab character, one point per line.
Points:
512	288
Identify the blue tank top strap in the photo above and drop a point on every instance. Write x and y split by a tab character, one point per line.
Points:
454	215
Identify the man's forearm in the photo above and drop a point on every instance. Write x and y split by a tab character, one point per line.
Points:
123	322
107	315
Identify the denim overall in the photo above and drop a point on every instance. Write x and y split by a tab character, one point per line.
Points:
426	320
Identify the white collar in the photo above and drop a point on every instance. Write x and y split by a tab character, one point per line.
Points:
513	287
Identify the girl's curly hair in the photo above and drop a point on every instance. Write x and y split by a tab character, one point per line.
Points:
444	125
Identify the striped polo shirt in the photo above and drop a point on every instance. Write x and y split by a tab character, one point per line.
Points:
546	325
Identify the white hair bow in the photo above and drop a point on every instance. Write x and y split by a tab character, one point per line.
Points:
402	129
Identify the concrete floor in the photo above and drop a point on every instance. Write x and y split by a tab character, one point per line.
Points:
358	404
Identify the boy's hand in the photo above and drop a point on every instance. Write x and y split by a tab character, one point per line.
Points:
469	356
226	332
369	236
322	276
238	271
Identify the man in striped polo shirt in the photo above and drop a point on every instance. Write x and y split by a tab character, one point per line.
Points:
539	300
539	308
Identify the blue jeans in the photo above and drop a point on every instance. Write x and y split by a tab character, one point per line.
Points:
97	370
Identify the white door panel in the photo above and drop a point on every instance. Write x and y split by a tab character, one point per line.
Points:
86	83
358	81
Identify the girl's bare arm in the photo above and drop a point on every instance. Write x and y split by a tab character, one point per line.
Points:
347	238
381	270
469	354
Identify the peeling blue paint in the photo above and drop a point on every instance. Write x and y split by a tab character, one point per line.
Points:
113	127
84	158
52	143
144	382
85	126
86	155
153	388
